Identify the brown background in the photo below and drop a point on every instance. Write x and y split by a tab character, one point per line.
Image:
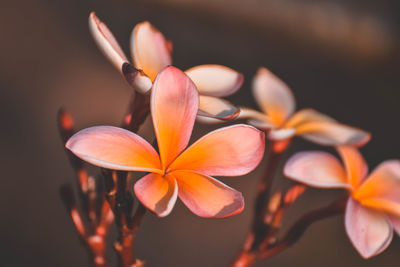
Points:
340	57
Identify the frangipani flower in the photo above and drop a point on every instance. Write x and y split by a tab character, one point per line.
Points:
176	171
278	105
151	53
373	208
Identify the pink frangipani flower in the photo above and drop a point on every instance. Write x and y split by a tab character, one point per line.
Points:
151	52
373	208
176	171
278	106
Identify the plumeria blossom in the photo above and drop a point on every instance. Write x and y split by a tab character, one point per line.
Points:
373	208
176	171
151	52
278	105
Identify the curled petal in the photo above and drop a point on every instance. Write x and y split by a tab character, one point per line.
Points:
355	165
332	134
114	148
273	96
150	50
207	197
174	105
369	231
316	169
230	151
215	80
381	190
217	108
106	42
157	193
208	120
136	78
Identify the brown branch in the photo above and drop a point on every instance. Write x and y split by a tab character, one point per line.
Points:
248	258
262	230
95	243
276	210
259	227
95	208
300	227
119	200
118	194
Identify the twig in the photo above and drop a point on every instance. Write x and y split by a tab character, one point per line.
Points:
261	228
97	211
95	243
118	194
248	258
300	227
137	112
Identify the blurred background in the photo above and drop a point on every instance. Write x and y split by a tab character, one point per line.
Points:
341	57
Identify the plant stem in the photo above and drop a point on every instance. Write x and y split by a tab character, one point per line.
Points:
248	258
91	199
118	194
137	112
259	229
300	226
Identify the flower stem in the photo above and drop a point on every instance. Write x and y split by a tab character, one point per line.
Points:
137	112
248	255
259	228
97	211
300	226
118	194
119	200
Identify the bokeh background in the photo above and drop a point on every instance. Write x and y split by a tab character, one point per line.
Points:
339	56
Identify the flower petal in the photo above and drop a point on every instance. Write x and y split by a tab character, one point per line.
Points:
305	116
273	96
215	80
256	118
157	193
208	120
217	108
355	165
332	134
369	231
106	42
174	105
136	78
207	197
281	134
316	169
381	190
230	151
150	50
114	148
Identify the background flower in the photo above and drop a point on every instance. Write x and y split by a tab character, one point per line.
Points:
373	208
278	105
